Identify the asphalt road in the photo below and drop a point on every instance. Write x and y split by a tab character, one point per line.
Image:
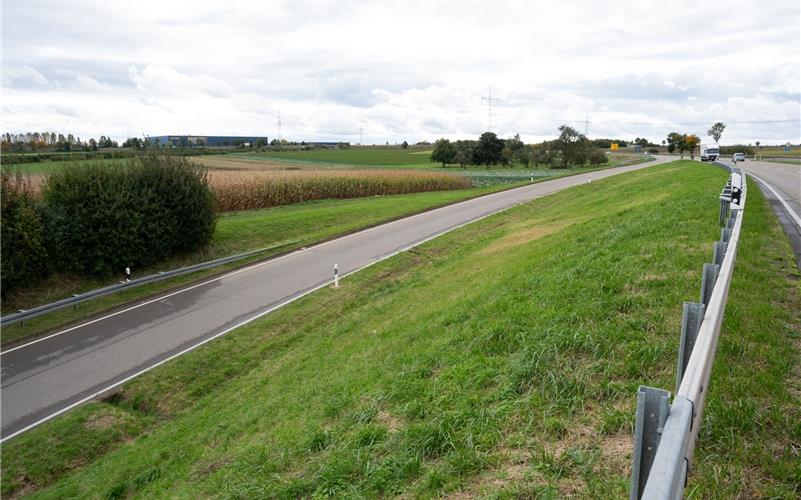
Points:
785	180
48	376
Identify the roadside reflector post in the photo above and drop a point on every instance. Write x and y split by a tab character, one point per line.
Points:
691	318
708	278
336	276
652	411
589	178
127	274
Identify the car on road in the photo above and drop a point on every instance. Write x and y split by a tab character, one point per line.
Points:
737	157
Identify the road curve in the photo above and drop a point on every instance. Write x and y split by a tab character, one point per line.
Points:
781	184
48	376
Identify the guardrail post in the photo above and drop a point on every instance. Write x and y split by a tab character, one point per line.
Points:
652	411
708	278
718	252
724	209
730	221
691	318
725	234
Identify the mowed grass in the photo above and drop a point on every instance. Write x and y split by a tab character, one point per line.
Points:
280	228
354	155
501	359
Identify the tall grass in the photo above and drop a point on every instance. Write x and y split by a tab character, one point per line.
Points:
247	190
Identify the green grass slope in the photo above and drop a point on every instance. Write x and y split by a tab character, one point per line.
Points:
501	359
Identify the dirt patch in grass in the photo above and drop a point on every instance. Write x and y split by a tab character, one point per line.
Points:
100	422
521	237
392	423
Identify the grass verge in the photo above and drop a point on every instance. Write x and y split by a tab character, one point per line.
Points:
501	359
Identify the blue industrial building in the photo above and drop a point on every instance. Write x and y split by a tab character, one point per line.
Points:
191	141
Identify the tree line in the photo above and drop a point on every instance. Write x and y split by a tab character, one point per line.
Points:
571	148
51	141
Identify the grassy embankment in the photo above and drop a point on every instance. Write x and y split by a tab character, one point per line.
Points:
282	228
501	359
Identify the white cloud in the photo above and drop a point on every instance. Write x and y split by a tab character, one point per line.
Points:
411	70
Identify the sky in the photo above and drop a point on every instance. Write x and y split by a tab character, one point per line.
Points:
381	72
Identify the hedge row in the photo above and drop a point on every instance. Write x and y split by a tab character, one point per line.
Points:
98	219
8	159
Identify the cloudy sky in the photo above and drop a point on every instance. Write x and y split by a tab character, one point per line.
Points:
402	70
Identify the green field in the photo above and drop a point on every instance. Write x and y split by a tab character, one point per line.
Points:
778	151
499	360
354	155
46	167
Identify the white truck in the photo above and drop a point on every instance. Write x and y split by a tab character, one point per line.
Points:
710	151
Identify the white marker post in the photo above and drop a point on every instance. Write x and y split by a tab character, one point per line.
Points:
336	276
532	176
589	178
127	274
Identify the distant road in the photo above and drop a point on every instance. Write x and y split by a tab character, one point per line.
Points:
785	178
49	376
785	181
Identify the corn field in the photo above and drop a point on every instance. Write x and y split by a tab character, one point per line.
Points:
243	190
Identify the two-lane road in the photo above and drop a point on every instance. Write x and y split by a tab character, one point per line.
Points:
51	375
781	184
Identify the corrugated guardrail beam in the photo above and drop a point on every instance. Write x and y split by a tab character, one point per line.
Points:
675	443
76	299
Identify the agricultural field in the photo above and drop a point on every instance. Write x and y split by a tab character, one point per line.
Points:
248	189
354	155
47	167
441	371
778	151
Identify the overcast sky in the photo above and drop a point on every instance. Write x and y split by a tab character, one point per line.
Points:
402	70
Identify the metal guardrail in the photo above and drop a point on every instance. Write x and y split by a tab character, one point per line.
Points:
665	433
78	298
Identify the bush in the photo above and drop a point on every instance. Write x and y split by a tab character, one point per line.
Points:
101	218
24	258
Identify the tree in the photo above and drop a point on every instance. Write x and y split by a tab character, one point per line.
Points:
716	130
464	152
691	141
757	143
444	152
404	145
489	150
673	140
570	144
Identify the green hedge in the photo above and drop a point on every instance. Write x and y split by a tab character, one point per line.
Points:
730	150
8	159
97	219
101	218
24	258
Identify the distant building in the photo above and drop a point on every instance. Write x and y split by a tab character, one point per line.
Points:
192	141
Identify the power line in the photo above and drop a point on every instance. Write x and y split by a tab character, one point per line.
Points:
586	123
489	100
